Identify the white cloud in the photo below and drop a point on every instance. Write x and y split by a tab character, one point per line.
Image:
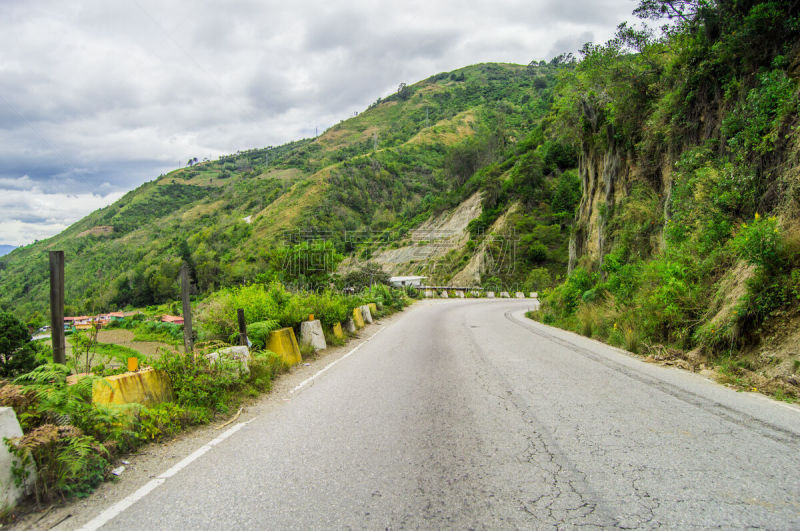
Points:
96	92
28	215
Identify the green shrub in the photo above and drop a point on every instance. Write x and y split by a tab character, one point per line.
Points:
169	333
197	382
163	421
564	299
264	367
258	333
17	354
760	243
54	401
67	462
70	458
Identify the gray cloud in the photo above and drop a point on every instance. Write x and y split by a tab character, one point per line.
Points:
571	43
97	97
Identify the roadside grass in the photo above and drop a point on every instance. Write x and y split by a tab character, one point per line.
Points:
72	441
736	373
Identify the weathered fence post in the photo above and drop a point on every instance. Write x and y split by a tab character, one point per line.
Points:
242	327
188	340
57	306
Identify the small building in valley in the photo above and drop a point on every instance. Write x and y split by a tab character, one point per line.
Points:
174	319
400	282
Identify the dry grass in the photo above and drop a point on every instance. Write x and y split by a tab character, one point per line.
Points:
631	340
97	231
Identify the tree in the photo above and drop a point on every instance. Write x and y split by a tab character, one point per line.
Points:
684	10
369	274
16	350
403	91
83	349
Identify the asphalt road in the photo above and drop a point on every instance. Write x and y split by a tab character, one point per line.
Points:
463	414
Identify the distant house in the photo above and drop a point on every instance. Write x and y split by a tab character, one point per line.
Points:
400	282
82	320
86	322
174	319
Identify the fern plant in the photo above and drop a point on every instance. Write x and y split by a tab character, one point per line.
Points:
58	403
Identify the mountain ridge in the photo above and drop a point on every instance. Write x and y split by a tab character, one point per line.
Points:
383	171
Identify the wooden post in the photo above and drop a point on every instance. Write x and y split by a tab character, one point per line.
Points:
57	306
242	327
188	340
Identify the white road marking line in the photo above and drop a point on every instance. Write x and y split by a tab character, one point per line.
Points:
102	518
112	512
331	364
180	465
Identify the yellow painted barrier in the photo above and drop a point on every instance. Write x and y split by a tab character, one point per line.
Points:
358	318
373	309
337	331
147	387
284	343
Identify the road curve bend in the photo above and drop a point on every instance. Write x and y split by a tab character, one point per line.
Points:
464	414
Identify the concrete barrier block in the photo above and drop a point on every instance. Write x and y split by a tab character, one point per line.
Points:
311	334
519	295
10	493
147	387
366	314
444	295
460	294
350	326
534	295
373	309
337	331
505	295
535	305
358	318
239	354
283	343
429	294
490	294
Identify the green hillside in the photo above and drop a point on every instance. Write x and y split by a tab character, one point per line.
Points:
686	243
650	190
363	183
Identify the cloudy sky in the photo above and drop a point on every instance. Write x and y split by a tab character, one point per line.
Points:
99	96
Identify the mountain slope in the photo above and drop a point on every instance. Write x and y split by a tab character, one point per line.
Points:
686	242
363	183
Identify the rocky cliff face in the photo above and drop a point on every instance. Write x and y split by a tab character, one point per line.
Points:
606	174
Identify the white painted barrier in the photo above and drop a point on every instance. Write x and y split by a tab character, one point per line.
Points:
311	334
10	493
366	313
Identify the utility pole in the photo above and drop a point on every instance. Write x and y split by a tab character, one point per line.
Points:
57	306
188	340
242	327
